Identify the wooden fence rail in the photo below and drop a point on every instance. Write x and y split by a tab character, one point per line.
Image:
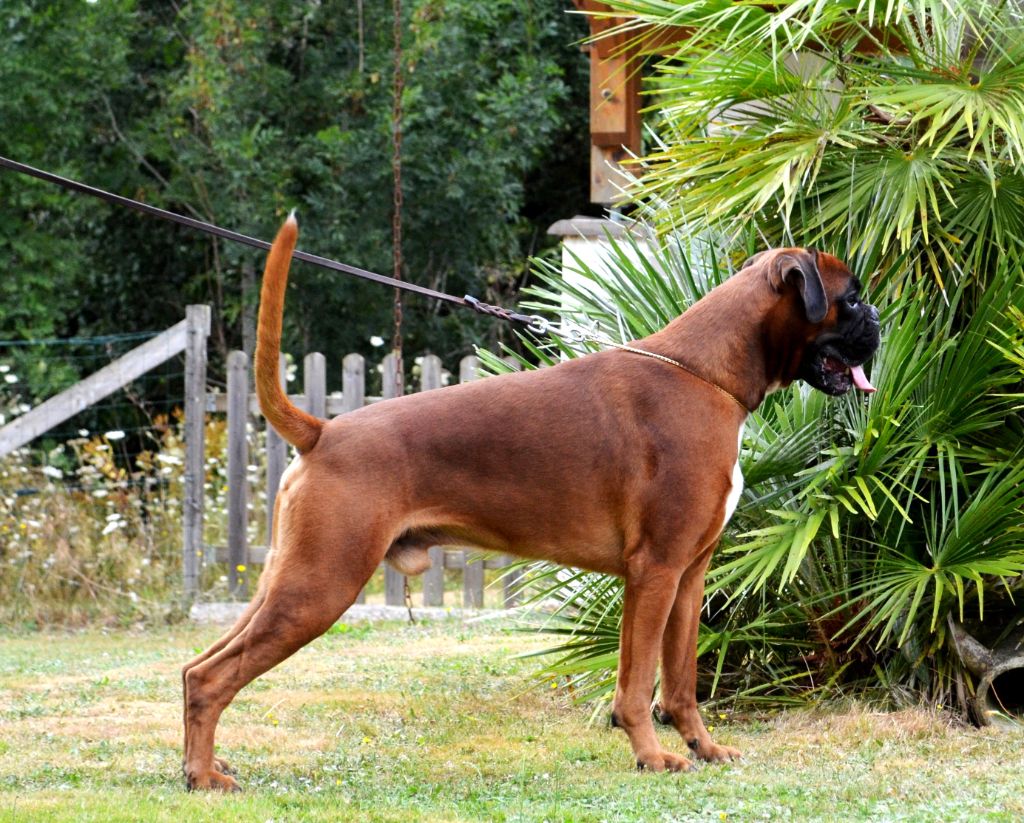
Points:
241	406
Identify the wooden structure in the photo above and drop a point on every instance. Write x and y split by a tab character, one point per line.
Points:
190	336
616	60
614	103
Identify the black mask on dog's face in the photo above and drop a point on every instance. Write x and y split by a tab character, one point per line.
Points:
834	360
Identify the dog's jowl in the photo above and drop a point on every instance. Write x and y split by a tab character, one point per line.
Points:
615	462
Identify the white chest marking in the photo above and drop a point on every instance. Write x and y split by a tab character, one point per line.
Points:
737	483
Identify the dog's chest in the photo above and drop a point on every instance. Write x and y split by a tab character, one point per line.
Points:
737	483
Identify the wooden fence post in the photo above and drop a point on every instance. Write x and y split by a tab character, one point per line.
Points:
394	582
277	457
314	380
197	319
472	573
238	464
433	578
353	382
353	396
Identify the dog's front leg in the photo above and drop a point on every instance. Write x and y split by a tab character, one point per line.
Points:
678	704
650	591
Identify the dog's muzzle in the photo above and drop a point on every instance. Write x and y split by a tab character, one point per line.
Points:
834	362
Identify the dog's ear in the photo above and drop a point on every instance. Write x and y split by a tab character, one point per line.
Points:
801	264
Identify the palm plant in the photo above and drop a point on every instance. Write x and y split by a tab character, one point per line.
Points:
896	125
867	528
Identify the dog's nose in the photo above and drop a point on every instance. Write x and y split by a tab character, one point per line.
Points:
873	314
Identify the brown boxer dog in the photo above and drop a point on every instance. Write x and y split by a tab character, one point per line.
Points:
623	462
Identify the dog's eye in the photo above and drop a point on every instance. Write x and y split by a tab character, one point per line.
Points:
852	301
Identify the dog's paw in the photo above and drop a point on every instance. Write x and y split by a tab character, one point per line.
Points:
663	761
712	752
212	780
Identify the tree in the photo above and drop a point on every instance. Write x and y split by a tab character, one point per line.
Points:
55	58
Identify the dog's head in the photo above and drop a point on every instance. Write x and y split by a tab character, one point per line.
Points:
818	328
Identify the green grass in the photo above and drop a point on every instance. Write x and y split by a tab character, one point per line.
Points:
442	722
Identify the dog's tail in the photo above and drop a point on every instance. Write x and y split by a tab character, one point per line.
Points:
294	425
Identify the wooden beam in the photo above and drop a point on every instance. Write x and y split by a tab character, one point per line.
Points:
433	578
616	60
615	118
392	383
238	470
615	100
353	389
93	388
277	457
472	573
314	379
197	320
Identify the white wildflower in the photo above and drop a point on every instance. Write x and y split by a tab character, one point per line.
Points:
117	434
376	341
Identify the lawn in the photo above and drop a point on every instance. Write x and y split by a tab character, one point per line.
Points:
444	722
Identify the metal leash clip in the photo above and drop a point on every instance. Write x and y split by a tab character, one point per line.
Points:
539	325
576	332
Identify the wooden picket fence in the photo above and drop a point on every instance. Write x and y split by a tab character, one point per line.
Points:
241	406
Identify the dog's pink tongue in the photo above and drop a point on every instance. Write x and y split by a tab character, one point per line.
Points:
860	380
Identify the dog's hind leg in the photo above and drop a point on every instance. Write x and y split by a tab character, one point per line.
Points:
307	591
219	764
243	620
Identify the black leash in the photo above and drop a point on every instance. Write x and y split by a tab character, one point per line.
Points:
468	302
